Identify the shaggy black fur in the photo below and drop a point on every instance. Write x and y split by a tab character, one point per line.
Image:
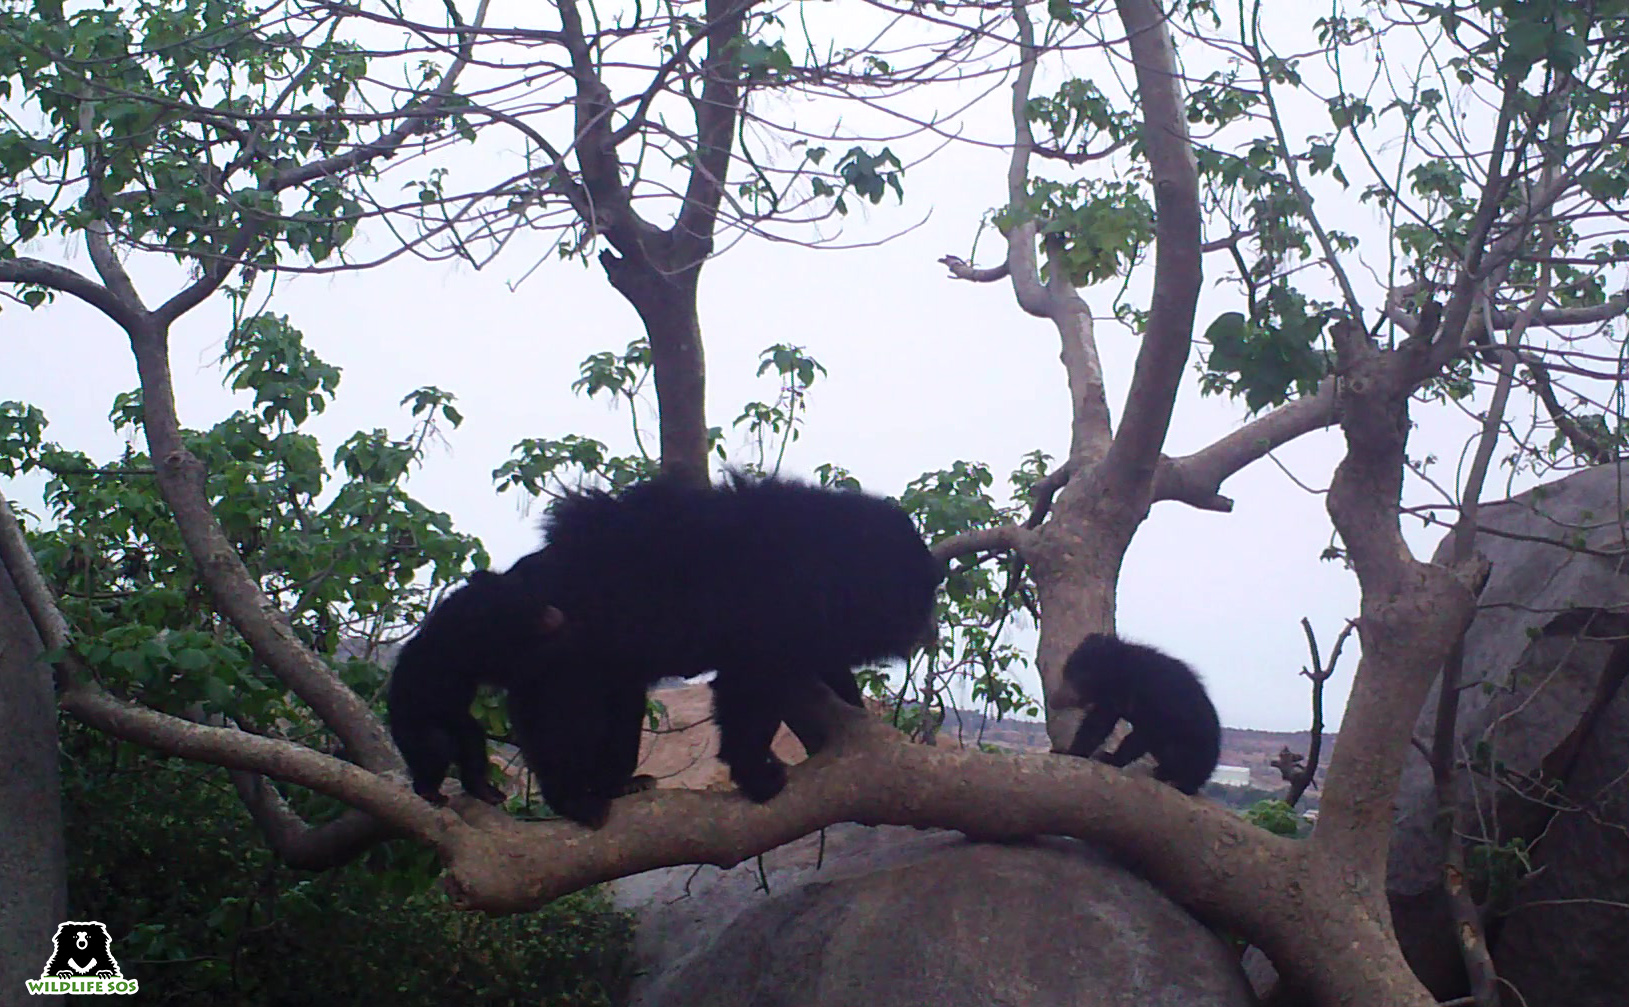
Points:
1171	715
486	631
770	583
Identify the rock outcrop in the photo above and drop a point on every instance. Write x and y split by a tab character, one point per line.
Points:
1545	719
900	918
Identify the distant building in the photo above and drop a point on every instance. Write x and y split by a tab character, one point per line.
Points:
1231	776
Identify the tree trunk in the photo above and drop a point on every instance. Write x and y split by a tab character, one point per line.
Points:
664	294
1075	600
1075	559
33	857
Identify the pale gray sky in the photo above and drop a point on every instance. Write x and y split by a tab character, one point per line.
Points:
923	371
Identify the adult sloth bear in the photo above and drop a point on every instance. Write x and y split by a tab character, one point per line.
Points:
488	631
768	582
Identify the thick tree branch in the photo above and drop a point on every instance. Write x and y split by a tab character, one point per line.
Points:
1213	862
1021	262
1090	428
1002	538
296	842
1411	615
1197	479
108	266
596	148
1134	455
389	801
181	481
716	112
67	281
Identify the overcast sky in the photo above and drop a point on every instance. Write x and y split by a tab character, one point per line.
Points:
924	371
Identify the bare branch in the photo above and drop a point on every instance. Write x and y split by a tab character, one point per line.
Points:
67	281
1044	490
1134	456
1615	306
391	802
235	594
1004	538
297	843
1197	479
1231	241
1021	264
960	269
1078	157
1301	779
1590	447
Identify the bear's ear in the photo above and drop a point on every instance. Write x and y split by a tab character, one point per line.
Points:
551	620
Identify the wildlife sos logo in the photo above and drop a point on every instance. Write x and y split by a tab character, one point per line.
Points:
82	962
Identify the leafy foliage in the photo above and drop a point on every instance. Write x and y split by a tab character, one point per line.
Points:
1265	363
1104	226
180	114
543	466
1276	817
350	555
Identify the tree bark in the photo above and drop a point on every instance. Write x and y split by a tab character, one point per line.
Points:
664	291
33	855
182	481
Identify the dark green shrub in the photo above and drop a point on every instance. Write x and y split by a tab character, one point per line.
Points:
201	913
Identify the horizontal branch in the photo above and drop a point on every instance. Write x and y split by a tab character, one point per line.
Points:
1613	307
1197	479
391	802
961	269
1004	537
872	776
1220	867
